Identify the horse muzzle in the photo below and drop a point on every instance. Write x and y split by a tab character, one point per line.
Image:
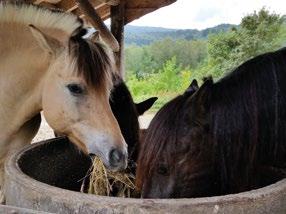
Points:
117	160
114	158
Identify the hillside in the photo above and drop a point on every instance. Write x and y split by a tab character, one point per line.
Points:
146	35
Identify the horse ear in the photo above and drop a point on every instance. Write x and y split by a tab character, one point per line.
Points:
145	105
194	84
95	37
201	98
46	42
193	87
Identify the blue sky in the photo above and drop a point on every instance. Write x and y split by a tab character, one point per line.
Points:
200	14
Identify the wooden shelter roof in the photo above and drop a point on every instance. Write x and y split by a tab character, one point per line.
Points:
134	9
95	12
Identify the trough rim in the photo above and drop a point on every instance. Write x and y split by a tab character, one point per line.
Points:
13	171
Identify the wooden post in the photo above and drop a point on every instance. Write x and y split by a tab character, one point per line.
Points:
117	29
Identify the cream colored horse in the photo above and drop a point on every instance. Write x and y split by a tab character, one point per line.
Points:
46	65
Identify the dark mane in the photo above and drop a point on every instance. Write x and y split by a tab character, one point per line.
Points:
94	63
247	119
161	132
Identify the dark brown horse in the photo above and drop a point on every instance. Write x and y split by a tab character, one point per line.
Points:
228	137
126	112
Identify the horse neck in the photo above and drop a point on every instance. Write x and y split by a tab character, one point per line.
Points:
23	66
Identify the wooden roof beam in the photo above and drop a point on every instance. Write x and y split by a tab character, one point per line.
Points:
138	8
103	12
68	5
111	2
136	13
72	5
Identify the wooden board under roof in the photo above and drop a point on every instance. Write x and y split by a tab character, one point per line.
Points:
134	9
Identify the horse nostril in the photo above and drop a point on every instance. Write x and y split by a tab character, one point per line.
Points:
116	157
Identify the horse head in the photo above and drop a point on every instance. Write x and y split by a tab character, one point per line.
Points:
126	112
175	158
75	95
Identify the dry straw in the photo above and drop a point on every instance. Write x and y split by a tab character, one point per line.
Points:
108	183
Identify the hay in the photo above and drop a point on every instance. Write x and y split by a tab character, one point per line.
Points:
108	183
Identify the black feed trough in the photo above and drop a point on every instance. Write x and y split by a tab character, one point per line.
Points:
58	163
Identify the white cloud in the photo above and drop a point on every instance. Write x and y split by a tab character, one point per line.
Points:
186	14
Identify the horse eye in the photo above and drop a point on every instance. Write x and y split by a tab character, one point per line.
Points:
75	89
163	169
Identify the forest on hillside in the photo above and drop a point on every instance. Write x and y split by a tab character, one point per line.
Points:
147	35
165	66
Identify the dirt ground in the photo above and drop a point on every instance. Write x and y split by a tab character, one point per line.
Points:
46	132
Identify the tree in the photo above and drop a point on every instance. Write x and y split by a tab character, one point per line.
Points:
258	33
138	61
143	61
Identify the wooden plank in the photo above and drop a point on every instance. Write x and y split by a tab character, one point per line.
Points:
136	9
103	11
148	3
71	5
117	29
111	2
135	13
68	5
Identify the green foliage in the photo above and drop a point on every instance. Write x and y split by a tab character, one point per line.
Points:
258	33
167	79
146	60
138	61
166	67
166	83
221	45
281	39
